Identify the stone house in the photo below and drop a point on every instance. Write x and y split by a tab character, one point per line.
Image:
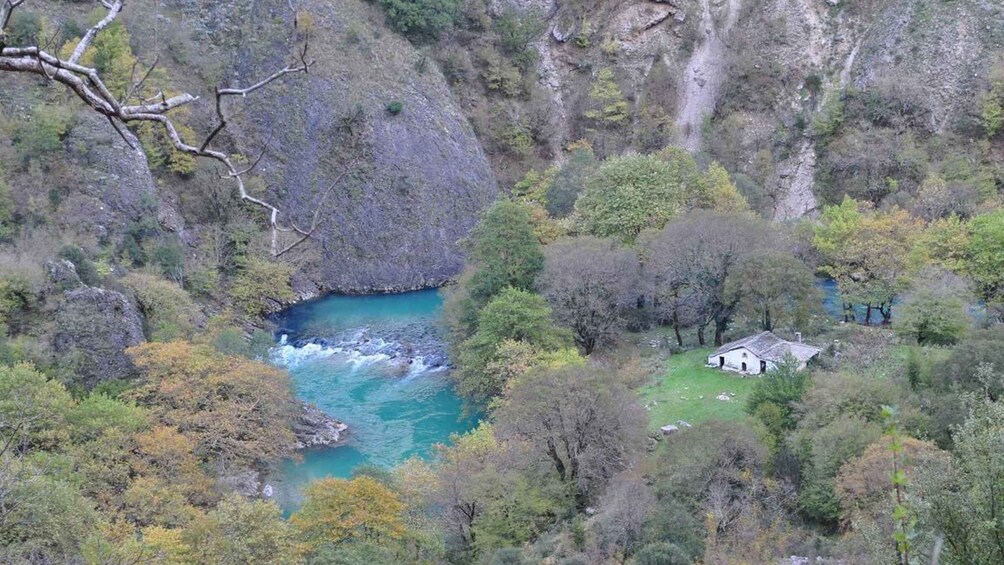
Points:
759	353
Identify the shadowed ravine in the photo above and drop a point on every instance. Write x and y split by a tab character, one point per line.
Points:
376	363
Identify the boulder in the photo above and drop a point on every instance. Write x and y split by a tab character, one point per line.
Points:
669	429
314	428
94	327
244	482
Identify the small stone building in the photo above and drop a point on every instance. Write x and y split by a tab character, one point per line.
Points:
760	353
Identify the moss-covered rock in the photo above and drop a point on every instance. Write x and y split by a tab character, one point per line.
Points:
94	326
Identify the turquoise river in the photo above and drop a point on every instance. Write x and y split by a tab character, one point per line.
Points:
376	363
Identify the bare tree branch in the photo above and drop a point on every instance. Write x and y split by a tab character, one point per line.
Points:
6	9
315	220
86	83
85	42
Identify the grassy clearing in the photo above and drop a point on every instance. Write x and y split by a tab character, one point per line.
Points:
688	390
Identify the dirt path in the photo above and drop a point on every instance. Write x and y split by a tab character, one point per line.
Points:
702	81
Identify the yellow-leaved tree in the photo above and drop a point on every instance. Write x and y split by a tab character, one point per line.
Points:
237	411
358	510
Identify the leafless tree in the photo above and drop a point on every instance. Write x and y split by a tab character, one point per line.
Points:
588	425
589	282
131	108
623	508
690	260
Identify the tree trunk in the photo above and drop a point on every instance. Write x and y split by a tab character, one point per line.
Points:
886	311
700	336
720	328
676	327
559	465
848	312
868	315
768	323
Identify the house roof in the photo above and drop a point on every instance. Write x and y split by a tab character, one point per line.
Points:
769	347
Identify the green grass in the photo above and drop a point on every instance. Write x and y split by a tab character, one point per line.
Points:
677	394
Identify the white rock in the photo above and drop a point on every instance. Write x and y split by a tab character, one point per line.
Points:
669	429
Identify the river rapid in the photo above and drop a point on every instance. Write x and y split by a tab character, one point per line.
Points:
376	363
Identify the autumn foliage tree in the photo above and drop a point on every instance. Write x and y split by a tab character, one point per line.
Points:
359	510
867	252
237	411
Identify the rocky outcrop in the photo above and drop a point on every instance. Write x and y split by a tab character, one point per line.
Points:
62	275
94	327
115	186
314	428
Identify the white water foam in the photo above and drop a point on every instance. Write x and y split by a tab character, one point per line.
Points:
358	352
290	356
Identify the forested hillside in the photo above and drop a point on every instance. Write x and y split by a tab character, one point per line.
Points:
607	192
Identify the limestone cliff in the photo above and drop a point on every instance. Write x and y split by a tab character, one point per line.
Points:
376	106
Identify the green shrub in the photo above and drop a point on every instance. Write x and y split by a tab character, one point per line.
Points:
420	19
7	227
992	110
86	270
516	31
17	299
395	107
46	131
170	259
662	553
774	396
203	282
499	74
23	28
261	288
167	309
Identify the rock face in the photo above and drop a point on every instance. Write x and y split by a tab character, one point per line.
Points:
94	326
420	177
116	186
314	428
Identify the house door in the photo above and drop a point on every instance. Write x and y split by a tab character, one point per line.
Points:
721	362
744	366
763	366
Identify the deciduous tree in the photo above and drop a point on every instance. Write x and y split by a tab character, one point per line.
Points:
339	510
512	316
628	194
933	310
688	263
867	253
588	425
237	411
240	531
773	286
986	255
589	282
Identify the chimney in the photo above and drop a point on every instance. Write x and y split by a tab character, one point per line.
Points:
798	337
